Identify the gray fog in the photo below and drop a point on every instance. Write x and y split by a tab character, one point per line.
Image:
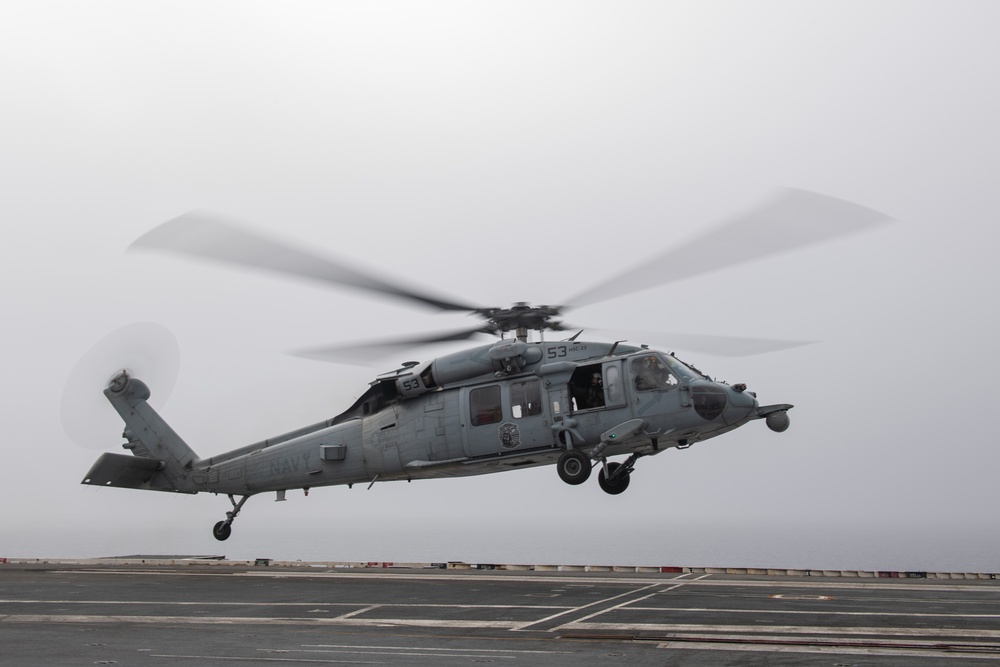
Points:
502	152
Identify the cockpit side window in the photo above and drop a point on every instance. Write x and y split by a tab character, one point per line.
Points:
651	373
484	405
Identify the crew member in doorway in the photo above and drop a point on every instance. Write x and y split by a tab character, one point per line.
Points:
595	392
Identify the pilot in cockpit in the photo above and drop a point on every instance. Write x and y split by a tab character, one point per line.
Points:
650	373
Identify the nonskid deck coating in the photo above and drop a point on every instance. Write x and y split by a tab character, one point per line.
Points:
418	615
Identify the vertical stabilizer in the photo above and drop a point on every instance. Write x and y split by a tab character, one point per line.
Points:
151	440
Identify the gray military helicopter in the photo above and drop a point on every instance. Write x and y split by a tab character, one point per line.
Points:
519	402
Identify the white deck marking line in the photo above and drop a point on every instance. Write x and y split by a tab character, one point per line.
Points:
849	641
842	650
356	611
217	603
436	648
818	582
261	659
601	612
685	583
630	602
188	603
394	652
576	609
912	600
817	612
255	620
635	628
424	623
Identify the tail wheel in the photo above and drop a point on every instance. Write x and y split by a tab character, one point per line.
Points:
222	531
573	467
611	483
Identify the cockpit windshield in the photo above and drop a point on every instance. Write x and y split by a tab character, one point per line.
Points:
655	371
679	369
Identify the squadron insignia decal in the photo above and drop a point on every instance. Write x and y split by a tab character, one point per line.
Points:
510	436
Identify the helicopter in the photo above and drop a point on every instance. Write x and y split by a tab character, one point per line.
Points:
519	402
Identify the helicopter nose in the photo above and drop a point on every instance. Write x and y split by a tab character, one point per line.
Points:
718	402
740	406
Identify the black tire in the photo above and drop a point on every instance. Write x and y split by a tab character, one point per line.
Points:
222	531
573	467
620	483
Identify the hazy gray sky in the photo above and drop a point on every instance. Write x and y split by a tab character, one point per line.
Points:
501	152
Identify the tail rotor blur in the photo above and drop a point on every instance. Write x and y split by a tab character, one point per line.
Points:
146	350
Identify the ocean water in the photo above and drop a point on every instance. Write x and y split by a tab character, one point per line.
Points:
914	547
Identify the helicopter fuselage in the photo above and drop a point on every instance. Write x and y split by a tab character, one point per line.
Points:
492	408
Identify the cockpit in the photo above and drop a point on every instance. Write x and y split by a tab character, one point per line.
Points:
652	371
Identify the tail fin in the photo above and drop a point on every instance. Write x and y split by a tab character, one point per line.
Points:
162	460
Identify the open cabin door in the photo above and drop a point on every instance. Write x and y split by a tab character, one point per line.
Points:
506	417
598	386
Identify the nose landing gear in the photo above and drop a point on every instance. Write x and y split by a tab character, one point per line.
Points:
222	530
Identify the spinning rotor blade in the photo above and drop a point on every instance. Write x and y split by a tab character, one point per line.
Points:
211	237
793	219
721	346
378	349
147	350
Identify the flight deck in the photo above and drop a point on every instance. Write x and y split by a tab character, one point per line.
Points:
159	611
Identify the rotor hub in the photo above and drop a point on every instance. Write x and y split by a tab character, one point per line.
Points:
522	316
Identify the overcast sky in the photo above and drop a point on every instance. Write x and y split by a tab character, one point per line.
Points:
502	152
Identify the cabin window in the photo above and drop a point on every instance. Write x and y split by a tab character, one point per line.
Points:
526	399
484	404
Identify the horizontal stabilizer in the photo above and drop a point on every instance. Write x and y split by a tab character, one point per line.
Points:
124	471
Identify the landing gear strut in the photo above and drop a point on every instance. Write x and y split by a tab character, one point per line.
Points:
614	477
222	530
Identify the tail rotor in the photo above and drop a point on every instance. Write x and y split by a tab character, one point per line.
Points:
143	349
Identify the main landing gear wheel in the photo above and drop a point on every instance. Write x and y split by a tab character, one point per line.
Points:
573	467
222	531
611	483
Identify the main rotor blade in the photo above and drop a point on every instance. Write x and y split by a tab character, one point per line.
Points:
211	237
720	346
792	219
378	349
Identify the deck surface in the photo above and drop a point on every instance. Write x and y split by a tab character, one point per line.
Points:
92	613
